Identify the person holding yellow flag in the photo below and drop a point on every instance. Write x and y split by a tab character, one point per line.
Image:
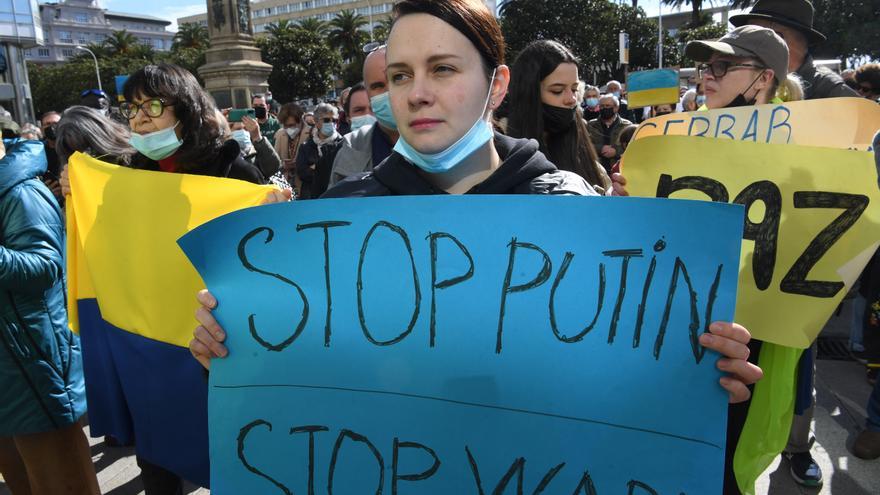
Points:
142	386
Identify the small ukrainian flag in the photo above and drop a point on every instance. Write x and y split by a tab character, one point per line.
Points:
652	87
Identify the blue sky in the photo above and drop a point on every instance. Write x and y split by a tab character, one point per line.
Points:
172	9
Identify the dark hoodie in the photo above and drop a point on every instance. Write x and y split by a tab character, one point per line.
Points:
524	170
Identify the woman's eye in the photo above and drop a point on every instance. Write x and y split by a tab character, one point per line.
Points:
398	77
444	68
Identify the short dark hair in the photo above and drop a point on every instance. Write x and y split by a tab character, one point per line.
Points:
200	126
469	17
290	110
346	107
869	73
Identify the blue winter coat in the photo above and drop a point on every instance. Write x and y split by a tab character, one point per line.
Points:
41	379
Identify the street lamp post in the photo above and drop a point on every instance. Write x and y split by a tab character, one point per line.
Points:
370	7
97	69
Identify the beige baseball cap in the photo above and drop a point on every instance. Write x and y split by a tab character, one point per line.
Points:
746	41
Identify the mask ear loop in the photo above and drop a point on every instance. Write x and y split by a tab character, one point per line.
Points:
486	111
752	101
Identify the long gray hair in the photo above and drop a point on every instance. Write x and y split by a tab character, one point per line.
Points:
88	131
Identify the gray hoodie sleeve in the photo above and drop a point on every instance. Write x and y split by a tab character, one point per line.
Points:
267	159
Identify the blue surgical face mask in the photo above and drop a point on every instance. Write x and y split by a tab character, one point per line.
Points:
616	94
701	100
443	161
361	121
592	102
328	129
156	145
243	137
381	106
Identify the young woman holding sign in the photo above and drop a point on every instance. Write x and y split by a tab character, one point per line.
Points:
447	74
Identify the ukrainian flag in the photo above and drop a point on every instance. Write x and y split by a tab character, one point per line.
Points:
131	296
652	87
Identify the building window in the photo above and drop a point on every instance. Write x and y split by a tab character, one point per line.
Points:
65	37
81	18
28	53
159	45
67	52
43	52
82	38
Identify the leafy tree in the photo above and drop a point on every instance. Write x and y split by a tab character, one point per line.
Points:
590	28
302	65
313	26
696	8
346	34
383	30
121	41
191	35
710	31
280	28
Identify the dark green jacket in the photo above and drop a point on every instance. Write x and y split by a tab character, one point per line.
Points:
41	378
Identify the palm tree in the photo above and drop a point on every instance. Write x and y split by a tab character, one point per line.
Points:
313	26
191	35
696	7
121	41
346	35
280	28
741	4
382	31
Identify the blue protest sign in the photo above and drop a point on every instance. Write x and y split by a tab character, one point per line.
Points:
480	344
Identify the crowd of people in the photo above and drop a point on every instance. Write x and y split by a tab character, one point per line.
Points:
428	118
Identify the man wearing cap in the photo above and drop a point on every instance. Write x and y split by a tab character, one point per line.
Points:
793	21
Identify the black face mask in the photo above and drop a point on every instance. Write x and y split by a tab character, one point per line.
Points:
607	113
558	119
49	133
660	114
740	100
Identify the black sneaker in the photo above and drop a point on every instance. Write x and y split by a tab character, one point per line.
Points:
804	469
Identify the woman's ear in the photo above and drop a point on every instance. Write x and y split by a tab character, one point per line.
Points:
766	79
499	86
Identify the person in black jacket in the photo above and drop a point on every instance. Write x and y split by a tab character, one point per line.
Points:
314	160
176	127
442	97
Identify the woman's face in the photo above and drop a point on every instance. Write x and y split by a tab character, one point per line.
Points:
559	88
592	93
437	82
720	91
142	123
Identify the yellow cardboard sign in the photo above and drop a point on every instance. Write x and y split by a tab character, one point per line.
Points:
847	123
812	220
123	230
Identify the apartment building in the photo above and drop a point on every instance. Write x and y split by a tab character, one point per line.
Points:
69	23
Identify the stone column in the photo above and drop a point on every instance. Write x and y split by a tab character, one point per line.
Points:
234	70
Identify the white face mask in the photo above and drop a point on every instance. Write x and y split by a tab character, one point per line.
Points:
291	131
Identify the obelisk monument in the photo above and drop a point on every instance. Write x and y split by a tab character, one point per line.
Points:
233	71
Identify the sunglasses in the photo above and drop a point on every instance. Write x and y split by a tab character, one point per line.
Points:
720	68
328	120
152	108
373	46
96	92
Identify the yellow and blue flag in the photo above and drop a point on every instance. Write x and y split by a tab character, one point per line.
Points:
652	87
131	296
